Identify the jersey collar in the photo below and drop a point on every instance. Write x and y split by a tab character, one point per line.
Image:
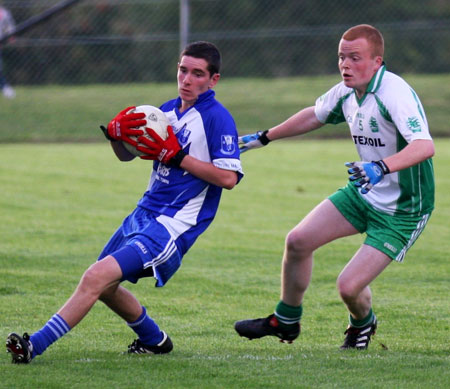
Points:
209	94
374	83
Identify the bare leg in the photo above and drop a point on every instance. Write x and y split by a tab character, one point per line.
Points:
322	225
122	302
98	277
353	282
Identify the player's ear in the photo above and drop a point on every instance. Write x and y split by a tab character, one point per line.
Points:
214	80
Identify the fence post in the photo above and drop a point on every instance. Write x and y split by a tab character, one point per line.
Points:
184	23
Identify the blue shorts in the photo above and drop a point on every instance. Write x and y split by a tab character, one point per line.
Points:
143	247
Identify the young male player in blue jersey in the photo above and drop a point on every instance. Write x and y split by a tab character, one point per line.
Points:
390	195
198	159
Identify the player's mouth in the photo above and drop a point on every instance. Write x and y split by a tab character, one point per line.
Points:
185	90
346	76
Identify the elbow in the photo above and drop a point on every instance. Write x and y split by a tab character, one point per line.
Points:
230	181
423	149
431	150
229	185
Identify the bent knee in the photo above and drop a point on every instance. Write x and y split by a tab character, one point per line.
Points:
297	242
91	281
347	289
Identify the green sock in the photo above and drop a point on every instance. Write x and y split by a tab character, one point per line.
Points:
288	315
363	322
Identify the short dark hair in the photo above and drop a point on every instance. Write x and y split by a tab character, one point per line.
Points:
207	51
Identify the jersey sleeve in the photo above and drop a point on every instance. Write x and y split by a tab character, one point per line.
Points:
328	108
223	143
407	113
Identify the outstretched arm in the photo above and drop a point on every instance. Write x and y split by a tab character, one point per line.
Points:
302	122
298	124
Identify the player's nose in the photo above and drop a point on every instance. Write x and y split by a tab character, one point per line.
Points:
187	79
345	63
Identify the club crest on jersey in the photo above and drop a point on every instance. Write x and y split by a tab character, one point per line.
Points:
414	124
183	135
373	124
228	144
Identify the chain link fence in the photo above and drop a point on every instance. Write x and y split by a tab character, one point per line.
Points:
117	41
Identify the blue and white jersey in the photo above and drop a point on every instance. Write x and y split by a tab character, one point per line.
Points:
187	204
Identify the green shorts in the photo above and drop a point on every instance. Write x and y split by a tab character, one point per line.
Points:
393	235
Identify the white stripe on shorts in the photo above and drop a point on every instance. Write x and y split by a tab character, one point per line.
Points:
419	228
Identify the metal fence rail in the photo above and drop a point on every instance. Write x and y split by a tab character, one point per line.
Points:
114	41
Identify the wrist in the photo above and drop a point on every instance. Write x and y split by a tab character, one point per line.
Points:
263	138
176	160
383	166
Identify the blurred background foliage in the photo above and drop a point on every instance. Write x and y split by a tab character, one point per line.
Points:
118	41
82	66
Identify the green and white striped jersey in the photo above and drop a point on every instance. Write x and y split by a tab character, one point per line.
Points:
387	118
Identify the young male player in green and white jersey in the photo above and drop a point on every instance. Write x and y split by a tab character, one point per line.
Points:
390	195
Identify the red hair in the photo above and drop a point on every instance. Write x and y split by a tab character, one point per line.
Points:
370	34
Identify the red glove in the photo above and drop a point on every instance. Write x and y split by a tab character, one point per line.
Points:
166	151
124	125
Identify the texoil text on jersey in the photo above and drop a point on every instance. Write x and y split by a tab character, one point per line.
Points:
364	140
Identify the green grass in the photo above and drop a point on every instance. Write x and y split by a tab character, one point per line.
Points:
59	204
63	113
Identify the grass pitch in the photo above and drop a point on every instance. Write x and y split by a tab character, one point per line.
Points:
60	203
74	113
